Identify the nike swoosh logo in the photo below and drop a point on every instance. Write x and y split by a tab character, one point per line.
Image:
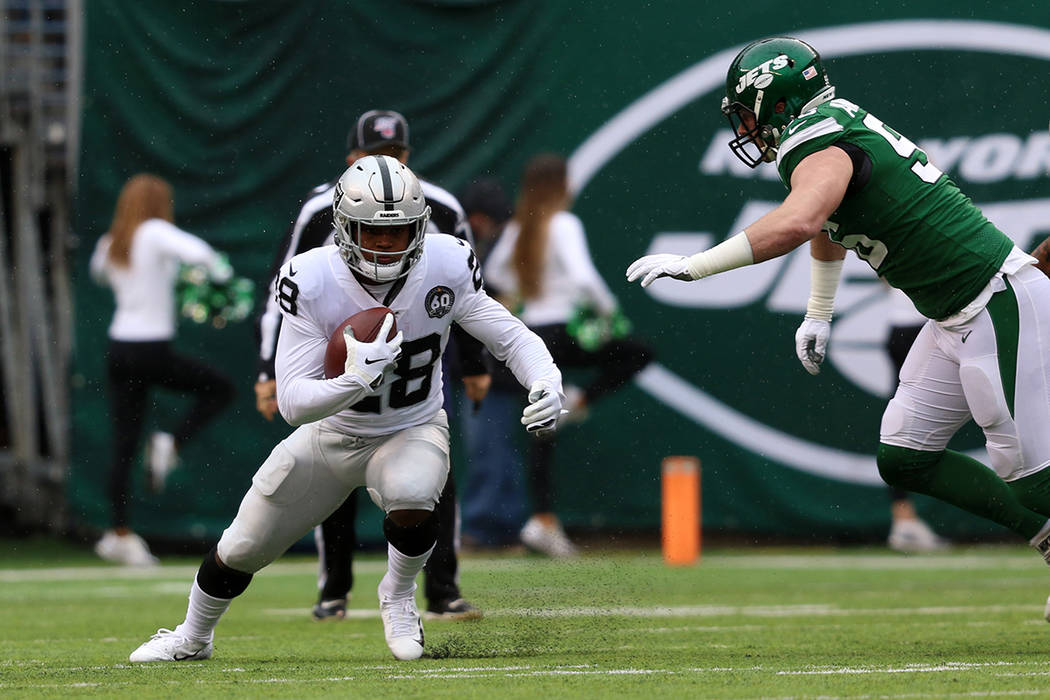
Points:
371	361
966	335
184	657
291	272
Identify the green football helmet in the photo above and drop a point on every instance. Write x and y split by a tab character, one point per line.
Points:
771	81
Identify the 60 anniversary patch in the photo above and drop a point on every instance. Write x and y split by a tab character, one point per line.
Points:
439	301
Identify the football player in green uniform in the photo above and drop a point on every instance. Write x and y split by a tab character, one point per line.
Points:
856	184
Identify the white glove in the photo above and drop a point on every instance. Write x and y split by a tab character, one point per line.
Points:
653	267
541	415
366	362
811	343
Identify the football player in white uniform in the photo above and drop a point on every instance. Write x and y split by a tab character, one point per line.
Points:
380	424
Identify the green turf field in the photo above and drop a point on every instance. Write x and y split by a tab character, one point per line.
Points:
761	623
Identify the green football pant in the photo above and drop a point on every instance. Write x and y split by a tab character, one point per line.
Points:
964	482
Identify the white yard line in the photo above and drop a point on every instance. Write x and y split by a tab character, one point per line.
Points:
687	611
917	696
520	670
972	560
117	573
909	668
803	610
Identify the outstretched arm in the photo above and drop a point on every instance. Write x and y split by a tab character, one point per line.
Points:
818	185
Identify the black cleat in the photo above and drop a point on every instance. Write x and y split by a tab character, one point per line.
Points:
452	609
330	610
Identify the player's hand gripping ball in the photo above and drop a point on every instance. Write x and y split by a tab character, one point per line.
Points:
365	325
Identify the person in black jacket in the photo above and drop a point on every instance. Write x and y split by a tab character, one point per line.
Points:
376	132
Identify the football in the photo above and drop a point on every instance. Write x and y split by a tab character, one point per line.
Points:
366	327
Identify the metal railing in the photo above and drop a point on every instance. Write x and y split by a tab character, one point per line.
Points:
39	50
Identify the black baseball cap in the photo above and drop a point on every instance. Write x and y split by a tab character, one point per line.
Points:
377	128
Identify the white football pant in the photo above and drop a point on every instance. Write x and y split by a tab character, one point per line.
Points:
311	472
953	374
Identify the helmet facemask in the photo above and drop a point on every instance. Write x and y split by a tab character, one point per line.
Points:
378	192
755	145
366	261
769	84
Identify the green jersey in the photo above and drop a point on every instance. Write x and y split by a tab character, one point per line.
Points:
908	220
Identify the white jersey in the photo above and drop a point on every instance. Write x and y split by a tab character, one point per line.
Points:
569	278
145	288
316	292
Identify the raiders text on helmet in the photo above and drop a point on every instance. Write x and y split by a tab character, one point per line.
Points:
378	191
771	81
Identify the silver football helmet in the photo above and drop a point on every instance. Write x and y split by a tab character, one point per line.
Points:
378	191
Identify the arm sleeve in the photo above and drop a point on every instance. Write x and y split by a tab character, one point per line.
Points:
509	340
303	395
191	250
575	258
98	260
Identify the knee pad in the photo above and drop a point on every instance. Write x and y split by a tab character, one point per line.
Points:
242	550
414	540
220	581
906	468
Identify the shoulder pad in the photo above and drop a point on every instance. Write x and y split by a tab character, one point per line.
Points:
308	271
453	257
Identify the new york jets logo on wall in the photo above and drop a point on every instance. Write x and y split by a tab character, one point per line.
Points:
739	326
439	301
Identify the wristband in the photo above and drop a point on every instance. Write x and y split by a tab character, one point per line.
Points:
728	255
823	282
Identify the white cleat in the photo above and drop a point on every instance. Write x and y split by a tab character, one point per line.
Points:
402	626
128	549
171	645
913	536
1046	611
549	539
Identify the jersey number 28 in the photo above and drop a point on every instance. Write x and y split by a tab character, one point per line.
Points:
417	363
